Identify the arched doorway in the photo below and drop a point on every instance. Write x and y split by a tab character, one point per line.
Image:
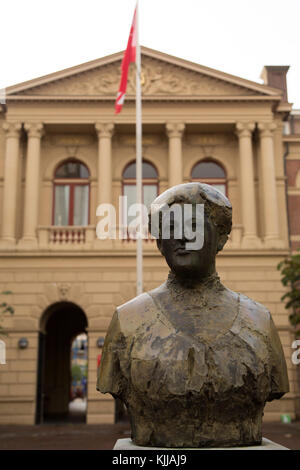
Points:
60	325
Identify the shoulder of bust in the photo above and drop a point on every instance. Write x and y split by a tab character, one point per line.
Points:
136	312
256	315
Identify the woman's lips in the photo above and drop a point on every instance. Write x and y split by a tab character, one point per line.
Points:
182	251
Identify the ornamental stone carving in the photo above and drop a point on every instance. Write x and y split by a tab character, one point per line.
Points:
72	140
158	78
267	128
34	129
244	129
58	292
104	129
207	140
148	140
175	129
12	129
63	290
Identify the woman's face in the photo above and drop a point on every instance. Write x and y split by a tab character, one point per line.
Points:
190	263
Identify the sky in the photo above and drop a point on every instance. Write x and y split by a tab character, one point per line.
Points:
239	37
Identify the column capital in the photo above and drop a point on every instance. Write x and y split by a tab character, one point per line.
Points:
175	129
34	129
244	129
267	128
104	129
12	129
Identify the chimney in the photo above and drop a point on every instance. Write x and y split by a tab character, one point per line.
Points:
275	76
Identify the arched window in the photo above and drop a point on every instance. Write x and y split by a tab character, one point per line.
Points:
71	194
149	183
210	172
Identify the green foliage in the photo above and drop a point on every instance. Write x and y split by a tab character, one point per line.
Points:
76	372
84	371
290	272
4	308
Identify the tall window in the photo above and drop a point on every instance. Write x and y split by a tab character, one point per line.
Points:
149	184
210	172
71	194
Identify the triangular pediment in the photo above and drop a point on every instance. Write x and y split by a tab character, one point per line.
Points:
163	76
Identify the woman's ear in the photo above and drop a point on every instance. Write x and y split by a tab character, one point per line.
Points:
221	242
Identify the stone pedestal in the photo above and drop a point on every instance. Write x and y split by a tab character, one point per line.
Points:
127	444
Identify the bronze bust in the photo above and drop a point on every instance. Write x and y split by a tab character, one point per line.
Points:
193	361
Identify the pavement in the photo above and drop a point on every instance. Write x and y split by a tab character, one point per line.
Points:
80	436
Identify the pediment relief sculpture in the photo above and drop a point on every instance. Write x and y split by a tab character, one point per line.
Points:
158	78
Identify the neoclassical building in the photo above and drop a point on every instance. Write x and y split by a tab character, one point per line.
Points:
63	151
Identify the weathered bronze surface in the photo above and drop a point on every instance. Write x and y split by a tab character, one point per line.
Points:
193	361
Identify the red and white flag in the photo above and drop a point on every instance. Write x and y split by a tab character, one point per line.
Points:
129	56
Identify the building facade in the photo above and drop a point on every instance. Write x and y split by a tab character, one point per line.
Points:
291	141
63	152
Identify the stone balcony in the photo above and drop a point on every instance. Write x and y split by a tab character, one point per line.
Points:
84	238
70	237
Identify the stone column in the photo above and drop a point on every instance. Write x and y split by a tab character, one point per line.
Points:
175	132
270	203
104	191
11	169
244	131
32	184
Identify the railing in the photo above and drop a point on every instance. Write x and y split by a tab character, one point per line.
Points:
70	236
85	238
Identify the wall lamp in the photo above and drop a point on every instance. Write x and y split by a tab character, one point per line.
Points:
23	343
100	342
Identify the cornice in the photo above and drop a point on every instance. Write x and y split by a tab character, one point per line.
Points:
260	89
233	79
131	252
65	73
110	98
291	138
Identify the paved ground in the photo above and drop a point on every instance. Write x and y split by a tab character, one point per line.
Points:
80	436
62	436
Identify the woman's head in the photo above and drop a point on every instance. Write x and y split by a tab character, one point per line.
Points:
214	223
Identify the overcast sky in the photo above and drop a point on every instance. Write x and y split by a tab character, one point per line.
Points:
38	37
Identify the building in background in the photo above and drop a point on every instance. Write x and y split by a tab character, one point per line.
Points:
291	141
79	363
63	152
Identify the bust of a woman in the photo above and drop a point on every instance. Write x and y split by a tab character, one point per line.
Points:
193	361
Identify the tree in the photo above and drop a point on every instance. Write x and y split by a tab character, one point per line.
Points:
290	272
76	373
4	308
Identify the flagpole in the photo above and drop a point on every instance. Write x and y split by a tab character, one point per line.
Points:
139	242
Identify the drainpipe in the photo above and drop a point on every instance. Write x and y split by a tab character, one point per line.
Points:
286	145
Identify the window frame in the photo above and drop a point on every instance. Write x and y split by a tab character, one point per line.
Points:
211	181
145	181
72	183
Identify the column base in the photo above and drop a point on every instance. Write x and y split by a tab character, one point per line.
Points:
251	241
7	244
27	243
274	242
